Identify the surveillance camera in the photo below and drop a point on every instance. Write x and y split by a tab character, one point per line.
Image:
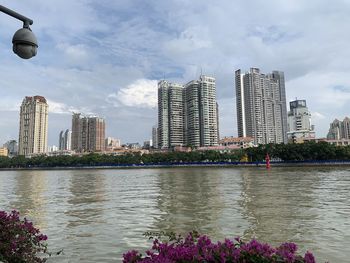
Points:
24	43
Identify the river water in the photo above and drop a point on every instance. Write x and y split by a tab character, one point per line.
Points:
97	215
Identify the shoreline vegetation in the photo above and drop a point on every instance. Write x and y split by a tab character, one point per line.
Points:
329	163
284	155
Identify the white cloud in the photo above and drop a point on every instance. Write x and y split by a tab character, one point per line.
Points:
191	39
75	54
142	93
61	108
317	116
6	104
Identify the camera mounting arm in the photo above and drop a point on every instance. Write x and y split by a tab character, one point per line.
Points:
26	21
24	42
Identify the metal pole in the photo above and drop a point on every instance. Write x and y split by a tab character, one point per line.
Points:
26	21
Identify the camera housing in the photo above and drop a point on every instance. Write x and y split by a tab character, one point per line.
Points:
25	44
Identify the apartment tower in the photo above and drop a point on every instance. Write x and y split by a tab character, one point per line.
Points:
33	126
155	136
201	112
339	129
96	134
88	133
170	114
187	115
65	138
299	122
261	106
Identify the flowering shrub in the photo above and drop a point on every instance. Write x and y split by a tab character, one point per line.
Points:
20	241
196	248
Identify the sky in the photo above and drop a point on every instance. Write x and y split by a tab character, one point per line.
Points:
105	57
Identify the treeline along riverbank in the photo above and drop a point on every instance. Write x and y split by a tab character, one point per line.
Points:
284	154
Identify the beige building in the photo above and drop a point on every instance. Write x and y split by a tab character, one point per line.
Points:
3	151
96	141
88	133
33	126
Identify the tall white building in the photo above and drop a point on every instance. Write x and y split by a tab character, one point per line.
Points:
299	121
65	138
201	119
170	114
339	129
261	106
187	115
33	126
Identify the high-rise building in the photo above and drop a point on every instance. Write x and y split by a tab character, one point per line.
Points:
12	148
61	141
217	120
33	126
79	141
88	133
155	136
96	134
170	114
68	140
76	134
261	106
339	129
187	115
299	122
65	140
201	121
192	118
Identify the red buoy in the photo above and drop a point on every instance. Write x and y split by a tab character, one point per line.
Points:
267	159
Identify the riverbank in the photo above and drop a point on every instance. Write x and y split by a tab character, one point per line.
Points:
190	164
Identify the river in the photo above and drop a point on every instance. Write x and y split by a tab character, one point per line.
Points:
97	215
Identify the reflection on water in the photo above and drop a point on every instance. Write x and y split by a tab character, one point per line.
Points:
30	190
86	200
189	199
276	207
96	215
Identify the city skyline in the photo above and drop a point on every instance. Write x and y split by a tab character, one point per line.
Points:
106	58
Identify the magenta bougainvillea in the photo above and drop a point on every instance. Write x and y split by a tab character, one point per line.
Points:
20	241
199	248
